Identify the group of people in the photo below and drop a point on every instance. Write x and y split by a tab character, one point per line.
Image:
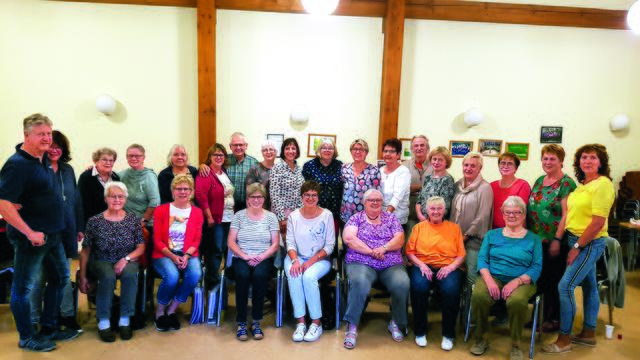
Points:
409	225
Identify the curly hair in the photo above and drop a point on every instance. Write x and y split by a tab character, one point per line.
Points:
600	151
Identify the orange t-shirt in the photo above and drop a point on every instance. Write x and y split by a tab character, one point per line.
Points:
436	245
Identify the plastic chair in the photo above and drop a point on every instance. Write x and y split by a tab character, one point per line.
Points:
603	280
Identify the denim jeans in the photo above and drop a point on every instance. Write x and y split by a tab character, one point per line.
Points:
361	277
582	272
255	277
66	304
304	289
214	248
103	272
28	260
450	288
169	288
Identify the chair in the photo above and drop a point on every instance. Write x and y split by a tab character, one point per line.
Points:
603	277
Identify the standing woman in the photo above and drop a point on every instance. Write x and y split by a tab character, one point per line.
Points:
588	210
547	215
285	181
395	179
259	173
214	194
325	170
92	182
178	163
358	177
142	184
508	185
471	209
253	239
437	183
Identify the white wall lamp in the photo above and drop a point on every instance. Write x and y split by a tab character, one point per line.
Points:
473	117
106	104
633	17
320	7
300	114
619	122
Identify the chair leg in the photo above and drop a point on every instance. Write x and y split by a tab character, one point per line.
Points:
536	308
338	291
610	303
279	299
221	299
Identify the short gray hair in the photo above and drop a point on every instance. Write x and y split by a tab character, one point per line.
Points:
420	137
115	184
238	134
474	155
35	120
324	141
369	192
436	200
268	144
514	201
174	148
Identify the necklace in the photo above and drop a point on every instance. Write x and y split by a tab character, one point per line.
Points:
311	215
517	234
370	218
507	185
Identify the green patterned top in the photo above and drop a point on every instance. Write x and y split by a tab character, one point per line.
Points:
544	210
443	186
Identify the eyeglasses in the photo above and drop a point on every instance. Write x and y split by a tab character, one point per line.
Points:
506	164
218	155
107	161
184	189
256	197
117	197
358	149
310	196
54	148
326	148
512	213
389	152
268	150
131	156
237	145
374	200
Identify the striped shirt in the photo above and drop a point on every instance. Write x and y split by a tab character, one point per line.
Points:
254	236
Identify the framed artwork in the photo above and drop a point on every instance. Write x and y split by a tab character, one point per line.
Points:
277	139
551	135
460	148
406	149
520	149
489	147
314	140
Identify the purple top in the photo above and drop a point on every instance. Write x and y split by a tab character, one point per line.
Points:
375	235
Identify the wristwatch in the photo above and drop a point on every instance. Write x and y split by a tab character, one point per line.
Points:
576	246
128	258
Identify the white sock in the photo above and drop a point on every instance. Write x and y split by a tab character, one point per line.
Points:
104	324
124	321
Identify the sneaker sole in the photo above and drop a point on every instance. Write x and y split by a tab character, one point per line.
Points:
38	350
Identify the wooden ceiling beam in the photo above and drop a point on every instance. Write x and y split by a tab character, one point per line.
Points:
177	3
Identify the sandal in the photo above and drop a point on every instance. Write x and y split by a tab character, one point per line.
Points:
591	342
350	339
256	331
553	348
241	334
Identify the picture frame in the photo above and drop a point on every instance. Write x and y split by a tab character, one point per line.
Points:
277	140
490	147
518	148
314	140
460	148
406	149
551	135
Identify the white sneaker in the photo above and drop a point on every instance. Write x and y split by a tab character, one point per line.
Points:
421	341
447	344
314	333
298	335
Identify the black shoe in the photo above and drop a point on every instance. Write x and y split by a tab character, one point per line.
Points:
174	322
162	323
70	323
107	335
37	345
126	333
53	334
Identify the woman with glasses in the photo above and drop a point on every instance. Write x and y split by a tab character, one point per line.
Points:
358	177
253	240
92	182
509	262
285	181
508	185
142	183
310	242
259	173
396	180
178	163
437	183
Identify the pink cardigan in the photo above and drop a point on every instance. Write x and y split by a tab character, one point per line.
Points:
210	195
161	230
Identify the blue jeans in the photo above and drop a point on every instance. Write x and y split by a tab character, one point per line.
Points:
214	248
255	277
66	304
169	288
304	289
450	288
581	273
28	260
103	272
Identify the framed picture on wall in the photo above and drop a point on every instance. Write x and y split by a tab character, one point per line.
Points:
489	147
551	135
277	139
520	149
406	149
460	148
314	140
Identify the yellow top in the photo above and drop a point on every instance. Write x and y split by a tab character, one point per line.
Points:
594	198
436	245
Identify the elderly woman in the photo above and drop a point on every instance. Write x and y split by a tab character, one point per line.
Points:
178	230
374	239
508	185
471	209
142	183
214	195
91	182
546	216
178	163
112	244
253	239
588	210
259	173
510	262
395	179
436	250
437	183
325	169
310	242
358	177
285	181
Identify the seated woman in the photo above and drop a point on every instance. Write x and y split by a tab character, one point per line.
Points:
253	239
112	243
374	239
509	262
310	241
436	250
178	230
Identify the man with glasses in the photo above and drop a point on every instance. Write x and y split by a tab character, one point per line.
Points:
28	183
419	167
239	165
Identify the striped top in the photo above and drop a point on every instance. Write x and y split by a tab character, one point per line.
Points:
254	236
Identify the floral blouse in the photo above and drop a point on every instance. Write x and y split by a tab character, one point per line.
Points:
443	186
375	235
284	189
544	210
260	174
112	240
329	178
354	188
